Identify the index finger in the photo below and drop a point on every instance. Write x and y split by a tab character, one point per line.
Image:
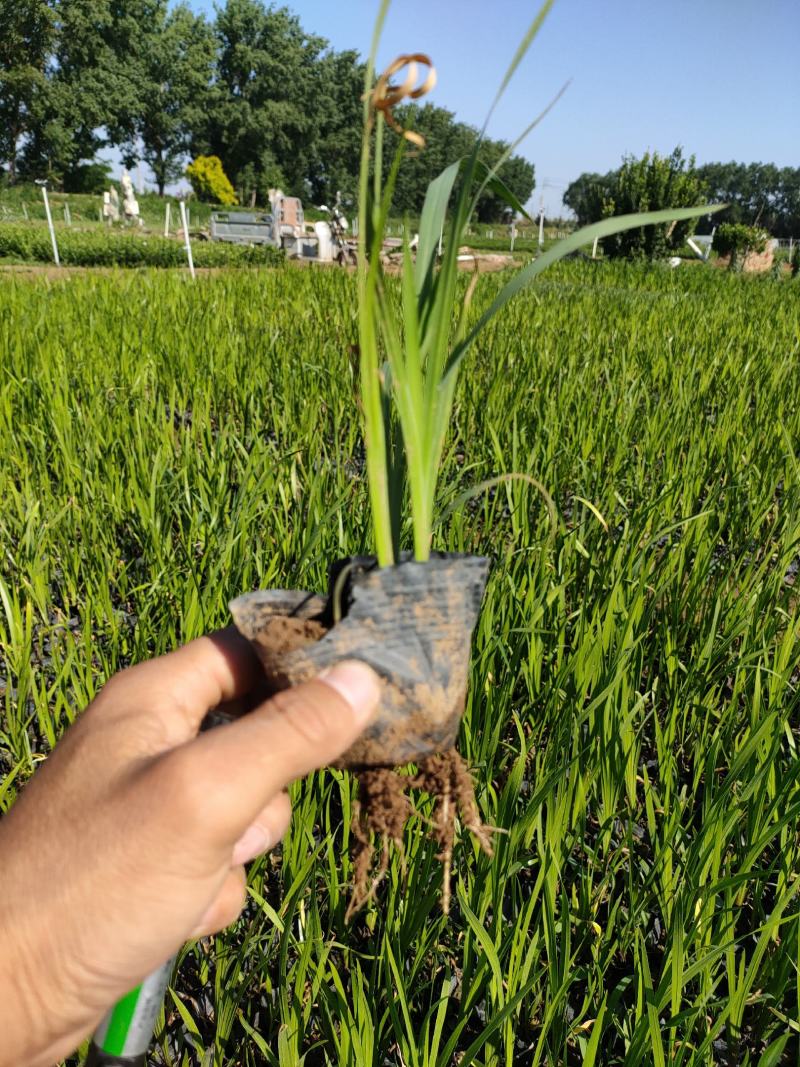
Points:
186	684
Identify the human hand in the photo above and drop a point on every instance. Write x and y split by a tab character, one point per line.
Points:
132	837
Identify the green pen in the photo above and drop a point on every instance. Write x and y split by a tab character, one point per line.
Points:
124	1035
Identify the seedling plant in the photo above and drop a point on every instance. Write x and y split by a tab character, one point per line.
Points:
411	352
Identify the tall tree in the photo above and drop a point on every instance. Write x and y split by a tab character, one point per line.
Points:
586	195
653	183
757	194
92	80
516	173
28	30
174	57
261	118
789	203
446	141
335	153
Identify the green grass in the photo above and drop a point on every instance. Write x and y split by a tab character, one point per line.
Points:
28	243
634	712
19	201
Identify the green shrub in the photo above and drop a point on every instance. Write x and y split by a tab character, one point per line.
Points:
795	261
736	240
209	181
652	183
101	249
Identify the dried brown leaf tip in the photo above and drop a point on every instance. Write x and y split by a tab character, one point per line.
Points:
387	95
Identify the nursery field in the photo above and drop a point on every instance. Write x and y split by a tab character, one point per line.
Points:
634	719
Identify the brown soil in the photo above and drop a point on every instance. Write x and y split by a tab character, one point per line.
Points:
754	262
383	807
284	634
50	272
469	259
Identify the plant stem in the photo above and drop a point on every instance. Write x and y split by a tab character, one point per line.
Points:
371	392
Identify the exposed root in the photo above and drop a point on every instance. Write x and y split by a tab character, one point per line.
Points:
383	808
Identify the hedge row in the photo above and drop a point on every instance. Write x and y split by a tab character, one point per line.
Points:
87	249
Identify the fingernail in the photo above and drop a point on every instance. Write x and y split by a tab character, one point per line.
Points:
358	684
252	843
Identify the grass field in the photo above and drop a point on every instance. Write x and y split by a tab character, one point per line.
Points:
29	243
634	717
24	203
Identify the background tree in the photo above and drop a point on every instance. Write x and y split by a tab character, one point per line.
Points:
26	39
653	183
758	194
738	241
276	104
447	140
587	194
261	115
517	174
209	181
174	63
334	155
92	80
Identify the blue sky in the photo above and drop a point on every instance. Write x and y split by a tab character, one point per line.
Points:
720	77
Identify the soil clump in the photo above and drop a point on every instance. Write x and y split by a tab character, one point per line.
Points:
383	807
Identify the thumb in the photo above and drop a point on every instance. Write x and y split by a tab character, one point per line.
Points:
247	762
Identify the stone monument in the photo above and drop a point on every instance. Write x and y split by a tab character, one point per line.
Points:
111	206
130	205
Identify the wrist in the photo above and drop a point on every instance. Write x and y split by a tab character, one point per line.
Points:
36	1024
20	1014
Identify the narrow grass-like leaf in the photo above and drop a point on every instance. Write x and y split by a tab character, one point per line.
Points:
575	241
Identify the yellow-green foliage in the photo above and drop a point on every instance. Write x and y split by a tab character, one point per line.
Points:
210	182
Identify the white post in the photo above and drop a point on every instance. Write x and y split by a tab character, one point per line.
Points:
594	248
166	219
441	235
67	215
24	211
513	234
541	228
186	237
50	225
